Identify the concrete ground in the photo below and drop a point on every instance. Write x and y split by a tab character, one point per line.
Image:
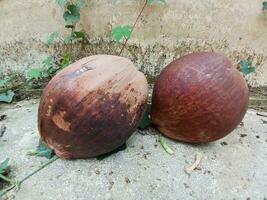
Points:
234	167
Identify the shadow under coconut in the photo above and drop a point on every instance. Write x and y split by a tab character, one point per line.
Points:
194	145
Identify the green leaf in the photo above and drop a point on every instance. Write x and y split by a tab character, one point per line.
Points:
246	67
62	3
52	38
42	151
120	148
153	1
146	120
68	39
4	166
79	34
4	81
34	73
165	145
65	60
80	3
7	97
48	62
121	32
264	5
72	14
74	37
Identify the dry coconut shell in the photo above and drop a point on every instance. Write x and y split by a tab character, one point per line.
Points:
92	106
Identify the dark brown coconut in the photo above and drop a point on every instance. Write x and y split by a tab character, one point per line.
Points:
92	107
199	98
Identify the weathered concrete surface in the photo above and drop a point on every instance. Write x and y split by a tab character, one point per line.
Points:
233	167
234	27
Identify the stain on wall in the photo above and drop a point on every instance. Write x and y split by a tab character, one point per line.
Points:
236	28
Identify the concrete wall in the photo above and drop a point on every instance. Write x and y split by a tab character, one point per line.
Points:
237	28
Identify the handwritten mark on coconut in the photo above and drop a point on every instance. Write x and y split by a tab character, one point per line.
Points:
190	169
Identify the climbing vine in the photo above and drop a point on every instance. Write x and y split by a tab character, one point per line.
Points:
71	16
35	77
124	33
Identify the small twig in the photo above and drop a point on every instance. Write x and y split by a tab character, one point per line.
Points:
138	17
191	168
262	115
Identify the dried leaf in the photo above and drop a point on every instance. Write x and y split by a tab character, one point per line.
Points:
196	164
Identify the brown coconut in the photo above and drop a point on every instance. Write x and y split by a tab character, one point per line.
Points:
92	107
199	98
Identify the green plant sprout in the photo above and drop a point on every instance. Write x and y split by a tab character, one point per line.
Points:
246	67
124	33
50	66
71	16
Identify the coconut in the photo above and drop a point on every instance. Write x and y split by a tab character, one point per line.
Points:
92	106
199	98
